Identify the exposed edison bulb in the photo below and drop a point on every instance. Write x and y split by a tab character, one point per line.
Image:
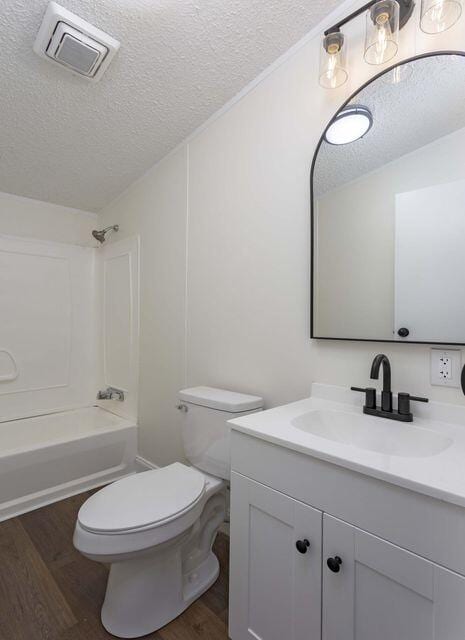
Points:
439	15
384	35
333	72
330	75
382	32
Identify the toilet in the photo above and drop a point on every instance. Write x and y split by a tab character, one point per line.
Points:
156	529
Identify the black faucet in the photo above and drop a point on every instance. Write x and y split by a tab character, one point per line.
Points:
403	412
386	393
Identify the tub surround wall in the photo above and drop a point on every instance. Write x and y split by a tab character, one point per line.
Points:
238	190
117	361
48	324
44	221
56	282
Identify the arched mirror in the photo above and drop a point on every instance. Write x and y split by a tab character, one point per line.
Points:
388	209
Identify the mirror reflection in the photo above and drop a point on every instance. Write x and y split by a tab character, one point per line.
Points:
388	187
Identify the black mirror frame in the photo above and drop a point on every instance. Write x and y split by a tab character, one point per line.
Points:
430	54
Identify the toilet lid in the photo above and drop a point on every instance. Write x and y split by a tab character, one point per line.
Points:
144	499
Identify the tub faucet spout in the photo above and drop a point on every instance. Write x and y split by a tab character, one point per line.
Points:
111	394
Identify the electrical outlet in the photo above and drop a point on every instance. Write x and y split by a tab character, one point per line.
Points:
446	367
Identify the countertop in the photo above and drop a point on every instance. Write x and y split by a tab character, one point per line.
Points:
440	475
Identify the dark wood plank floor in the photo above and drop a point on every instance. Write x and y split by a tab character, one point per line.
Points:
48	591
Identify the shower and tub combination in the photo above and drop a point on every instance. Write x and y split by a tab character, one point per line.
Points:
68	367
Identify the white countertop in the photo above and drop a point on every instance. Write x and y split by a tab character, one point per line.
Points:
439	475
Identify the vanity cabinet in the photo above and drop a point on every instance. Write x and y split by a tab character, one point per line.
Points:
384	588
383	592
275	591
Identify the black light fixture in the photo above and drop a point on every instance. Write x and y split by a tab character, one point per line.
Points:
350	124
384	20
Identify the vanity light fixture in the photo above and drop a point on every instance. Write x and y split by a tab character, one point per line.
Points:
439	15
350	124
333	71
382	32
384	20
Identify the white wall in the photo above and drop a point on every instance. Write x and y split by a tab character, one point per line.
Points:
356	223
246	216
44	221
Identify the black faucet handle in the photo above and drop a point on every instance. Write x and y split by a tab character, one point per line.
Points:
418	399
403	399
370	396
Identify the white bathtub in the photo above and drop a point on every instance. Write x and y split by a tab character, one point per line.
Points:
51	457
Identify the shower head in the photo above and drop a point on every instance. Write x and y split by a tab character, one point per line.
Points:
100	235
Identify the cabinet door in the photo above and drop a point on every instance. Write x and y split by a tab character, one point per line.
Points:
382	592
275	590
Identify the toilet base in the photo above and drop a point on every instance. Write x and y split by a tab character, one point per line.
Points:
156	573
146	594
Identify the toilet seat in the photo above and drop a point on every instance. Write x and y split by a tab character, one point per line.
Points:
143	501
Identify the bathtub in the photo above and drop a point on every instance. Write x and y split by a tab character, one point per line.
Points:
47	458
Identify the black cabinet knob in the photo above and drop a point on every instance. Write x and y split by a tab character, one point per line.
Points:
334	564
302	545
403	332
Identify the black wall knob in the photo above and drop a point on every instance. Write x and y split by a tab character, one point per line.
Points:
334	564
403	332
302	545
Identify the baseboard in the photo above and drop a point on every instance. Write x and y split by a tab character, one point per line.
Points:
142	464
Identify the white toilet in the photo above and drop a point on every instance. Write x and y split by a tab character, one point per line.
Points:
157	528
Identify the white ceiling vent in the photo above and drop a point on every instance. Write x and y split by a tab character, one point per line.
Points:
69	41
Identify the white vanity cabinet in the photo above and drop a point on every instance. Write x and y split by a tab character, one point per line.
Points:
275	591
381	590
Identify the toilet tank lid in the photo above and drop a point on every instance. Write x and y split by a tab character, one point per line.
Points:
221	399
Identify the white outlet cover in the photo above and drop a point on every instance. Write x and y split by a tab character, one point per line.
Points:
446	367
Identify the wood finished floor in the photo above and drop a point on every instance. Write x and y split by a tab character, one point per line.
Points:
48	591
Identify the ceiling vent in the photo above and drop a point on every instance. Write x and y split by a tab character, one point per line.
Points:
73	43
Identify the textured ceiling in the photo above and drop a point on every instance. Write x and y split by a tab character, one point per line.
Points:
70	142
425	106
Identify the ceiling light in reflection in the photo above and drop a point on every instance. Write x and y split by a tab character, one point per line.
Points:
350	124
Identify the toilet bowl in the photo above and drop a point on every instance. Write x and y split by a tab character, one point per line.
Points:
156	529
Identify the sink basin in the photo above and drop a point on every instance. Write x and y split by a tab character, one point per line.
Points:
372	434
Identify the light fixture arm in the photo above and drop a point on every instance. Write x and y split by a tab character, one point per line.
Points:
405	11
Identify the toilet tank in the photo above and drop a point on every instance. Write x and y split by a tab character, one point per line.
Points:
205	429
